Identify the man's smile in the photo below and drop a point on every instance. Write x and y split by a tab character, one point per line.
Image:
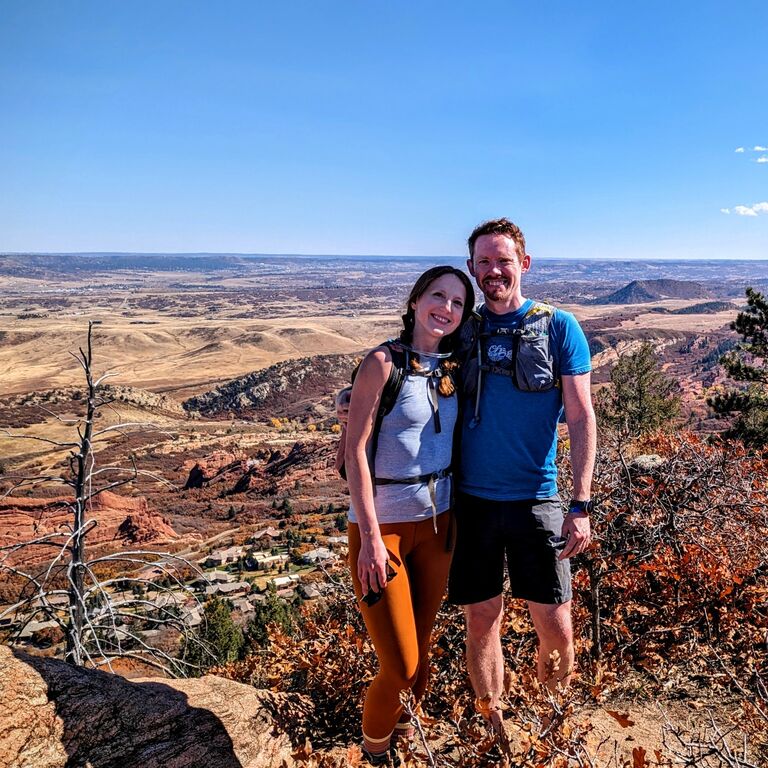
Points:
495	282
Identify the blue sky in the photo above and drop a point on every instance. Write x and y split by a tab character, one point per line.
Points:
604	129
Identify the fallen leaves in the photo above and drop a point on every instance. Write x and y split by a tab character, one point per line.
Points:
622	718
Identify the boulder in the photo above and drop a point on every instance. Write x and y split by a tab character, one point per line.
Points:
54	715
646	464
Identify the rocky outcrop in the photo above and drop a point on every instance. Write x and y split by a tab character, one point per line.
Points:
144	527
206	470
305	463
291	388
142	398
606	347
54	715
267	472
121	521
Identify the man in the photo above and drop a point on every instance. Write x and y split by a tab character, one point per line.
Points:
526	362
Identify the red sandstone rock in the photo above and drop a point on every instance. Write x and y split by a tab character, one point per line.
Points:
121	520
54	715
201	472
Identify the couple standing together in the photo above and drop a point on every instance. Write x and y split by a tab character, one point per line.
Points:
479	395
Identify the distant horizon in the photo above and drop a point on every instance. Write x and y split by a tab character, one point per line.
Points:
288	255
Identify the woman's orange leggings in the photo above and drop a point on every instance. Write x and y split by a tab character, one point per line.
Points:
400	624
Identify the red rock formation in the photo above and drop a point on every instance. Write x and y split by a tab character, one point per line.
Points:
305	463
144	527
120	521
201	472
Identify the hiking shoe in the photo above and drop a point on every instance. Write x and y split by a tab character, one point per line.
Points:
390	758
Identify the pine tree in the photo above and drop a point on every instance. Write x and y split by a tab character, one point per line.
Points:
273	610
747	404
641	398
341	523
219	639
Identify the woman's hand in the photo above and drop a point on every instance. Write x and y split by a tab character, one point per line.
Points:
372	564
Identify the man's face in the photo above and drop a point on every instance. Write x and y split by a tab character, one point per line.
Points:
497	269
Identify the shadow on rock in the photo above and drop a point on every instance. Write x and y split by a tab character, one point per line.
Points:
54	715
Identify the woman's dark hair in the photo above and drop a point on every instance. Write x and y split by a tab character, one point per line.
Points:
447	384
420	288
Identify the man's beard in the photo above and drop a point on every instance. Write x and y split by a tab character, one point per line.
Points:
496	292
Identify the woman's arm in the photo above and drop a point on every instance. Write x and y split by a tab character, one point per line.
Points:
366	395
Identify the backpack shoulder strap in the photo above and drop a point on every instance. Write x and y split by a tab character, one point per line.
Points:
539	317
537	320
394	382
389	393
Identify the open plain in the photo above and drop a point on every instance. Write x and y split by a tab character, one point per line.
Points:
180	324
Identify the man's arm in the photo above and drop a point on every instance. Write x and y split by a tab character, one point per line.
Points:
582	431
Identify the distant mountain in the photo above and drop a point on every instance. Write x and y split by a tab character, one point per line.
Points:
641	291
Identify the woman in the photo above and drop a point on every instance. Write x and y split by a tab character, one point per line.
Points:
399	526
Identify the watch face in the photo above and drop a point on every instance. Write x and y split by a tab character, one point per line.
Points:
582	506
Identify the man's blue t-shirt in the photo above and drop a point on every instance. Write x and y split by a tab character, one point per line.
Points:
510	454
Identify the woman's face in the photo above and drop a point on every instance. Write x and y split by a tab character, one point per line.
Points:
438	311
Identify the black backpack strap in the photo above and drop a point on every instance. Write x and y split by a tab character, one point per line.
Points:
393	385
389	393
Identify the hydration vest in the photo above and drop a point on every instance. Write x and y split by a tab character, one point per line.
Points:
532	367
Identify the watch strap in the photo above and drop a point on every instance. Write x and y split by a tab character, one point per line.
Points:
581	506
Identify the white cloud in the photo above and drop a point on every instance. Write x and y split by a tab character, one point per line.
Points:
747	210
762	159
758	148
739	149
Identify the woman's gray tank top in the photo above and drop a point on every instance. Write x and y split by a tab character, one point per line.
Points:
409	447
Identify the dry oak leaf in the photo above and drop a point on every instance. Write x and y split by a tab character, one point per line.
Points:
638	758
303	752
354	755
622	719
483	706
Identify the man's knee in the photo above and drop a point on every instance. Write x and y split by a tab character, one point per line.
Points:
552	622
484	617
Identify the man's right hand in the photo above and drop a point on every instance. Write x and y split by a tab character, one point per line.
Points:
342	405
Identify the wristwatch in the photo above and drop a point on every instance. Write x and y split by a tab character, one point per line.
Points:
581	506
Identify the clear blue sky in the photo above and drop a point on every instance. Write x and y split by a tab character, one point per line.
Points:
604	129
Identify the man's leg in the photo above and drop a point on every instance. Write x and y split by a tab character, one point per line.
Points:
553	627
485	662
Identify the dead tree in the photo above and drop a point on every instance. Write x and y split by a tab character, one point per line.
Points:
101	618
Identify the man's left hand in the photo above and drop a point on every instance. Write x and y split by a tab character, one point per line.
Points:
577	534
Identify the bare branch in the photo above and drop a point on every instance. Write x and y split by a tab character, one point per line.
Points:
39	439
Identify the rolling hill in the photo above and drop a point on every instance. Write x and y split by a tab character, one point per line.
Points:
641	291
